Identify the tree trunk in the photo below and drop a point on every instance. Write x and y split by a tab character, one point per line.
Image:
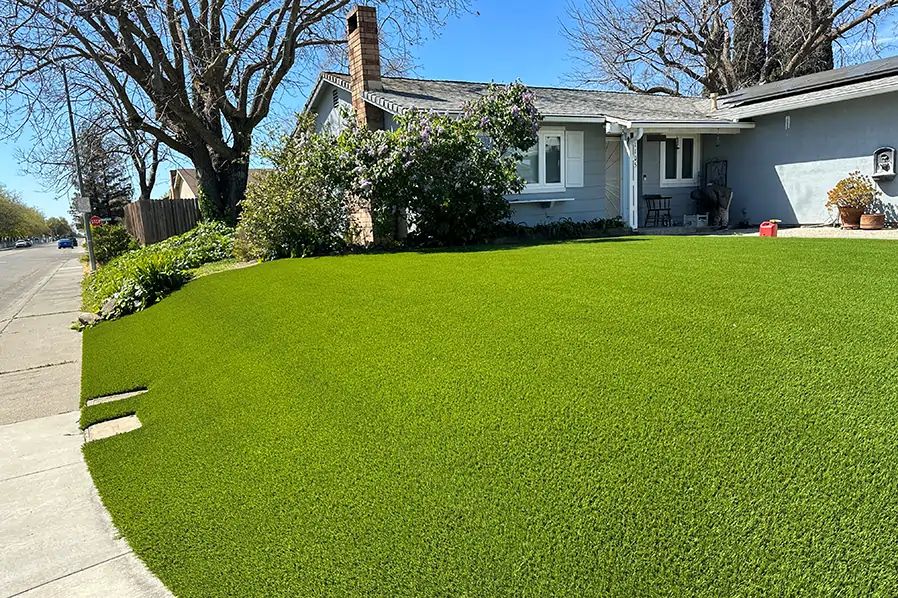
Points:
715	70
749	52
791	22
821	58
223	180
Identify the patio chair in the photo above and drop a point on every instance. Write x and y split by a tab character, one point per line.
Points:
658	210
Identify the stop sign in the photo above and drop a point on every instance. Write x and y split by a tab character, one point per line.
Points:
96	221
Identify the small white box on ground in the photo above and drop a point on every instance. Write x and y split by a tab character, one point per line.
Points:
696	220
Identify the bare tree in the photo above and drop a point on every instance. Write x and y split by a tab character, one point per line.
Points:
210	69
97	108
749	45
792	22
684	47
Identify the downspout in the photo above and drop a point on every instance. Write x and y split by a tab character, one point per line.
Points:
633	138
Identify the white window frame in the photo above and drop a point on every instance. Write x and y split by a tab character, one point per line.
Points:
696	154
542	187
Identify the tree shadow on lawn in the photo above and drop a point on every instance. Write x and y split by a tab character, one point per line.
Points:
516	245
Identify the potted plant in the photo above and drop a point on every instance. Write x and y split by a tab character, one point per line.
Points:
852	196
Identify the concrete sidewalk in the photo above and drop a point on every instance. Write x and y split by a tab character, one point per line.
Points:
57	539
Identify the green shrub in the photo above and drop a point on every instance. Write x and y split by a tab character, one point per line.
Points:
297	209
111	241
448	176
138	279
136	283
208	242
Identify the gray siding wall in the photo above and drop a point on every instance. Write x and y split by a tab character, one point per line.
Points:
328	117
649	166
589	200
785	173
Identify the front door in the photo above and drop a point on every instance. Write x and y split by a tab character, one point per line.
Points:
612	177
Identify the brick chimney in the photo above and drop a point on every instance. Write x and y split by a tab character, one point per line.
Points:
364	63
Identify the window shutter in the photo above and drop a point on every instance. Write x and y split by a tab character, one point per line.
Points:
574	167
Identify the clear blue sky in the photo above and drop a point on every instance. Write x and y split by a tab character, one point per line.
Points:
508	39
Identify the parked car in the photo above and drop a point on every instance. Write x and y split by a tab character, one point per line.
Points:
64	243
21	243
74	241
29	242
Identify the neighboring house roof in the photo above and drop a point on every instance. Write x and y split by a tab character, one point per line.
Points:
188	175
862	80
555	103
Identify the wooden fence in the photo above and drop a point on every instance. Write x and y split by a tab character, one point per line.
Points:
155	220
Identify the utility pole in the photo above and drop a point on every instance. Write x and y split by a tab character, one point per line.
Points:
84	215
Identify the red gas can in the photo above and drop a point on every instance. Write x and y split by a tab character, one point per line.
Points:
768	229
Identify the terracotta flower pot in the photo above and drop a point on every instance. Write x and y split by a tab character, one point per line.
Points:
873	221
851	217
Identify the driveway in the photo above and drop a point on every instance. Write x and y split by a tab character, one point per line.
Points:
58	540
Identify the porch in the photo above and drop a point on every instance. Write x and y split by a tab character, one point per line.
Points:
672	182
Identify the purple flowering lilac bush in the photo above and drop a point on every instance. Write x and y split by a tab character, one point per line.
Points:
446	177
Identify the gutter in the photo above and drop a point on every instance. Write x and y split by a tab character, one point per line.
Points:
679	124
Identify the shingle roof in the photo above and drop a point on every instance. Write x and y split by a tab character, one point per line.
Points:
850	75
400	93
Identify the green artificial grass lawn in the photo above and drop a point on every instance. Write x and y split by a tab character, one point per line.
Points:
634	417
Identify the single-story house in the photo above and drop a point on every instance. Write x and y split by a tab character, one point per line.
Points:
184	183
780	147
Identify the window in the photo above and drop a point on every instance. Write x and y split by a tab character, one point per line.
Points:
543	164
679	161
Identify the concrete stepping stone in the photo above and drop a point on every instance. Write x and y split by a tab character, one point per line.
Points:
111	427
117	397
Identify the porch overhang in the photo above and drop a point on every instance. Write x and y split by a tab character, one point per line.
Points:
698	127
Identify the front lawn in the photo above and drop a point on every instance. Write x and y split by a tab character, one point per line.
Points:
633	417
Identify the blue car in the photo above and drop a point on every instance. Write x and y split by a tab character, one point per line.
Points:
64	243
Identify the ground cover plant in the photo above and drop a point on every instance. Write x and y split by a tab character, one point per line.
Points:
615	417
139	278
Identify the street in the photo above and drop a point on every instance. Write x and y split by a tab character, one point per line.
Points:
58	540
21	269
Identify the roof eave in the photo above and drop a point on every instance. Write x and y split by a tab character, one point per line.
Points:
775	106
574	118
395	108
319	86
694	124
681	124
